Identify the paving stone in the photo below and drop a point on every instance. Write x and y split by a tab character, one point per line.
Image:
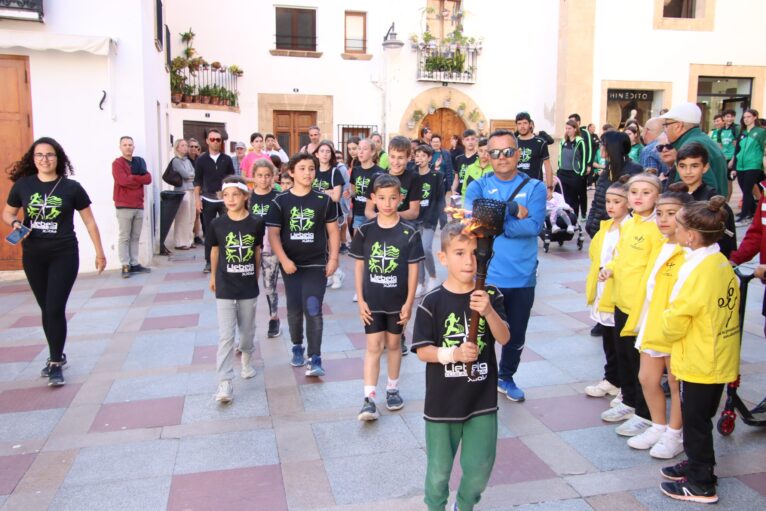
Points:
11	371
556	505
133	495
358	479
148	413
37	398
122	462
176	309
96	322
154	351
224	451
21	426
20	353
168	322
568	412
732	494
338	394
540	374
607	450
148	387
353	437
249	401
12	469
756	482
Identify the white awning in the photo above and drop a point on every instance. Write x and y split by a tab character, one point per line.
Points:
42	41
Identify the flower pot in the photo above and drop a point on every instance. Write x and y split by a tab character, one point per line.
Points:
205	100
215	100
176	97
186	98
446	103
431	109
194	98
411	125
225	102
480	125
461	112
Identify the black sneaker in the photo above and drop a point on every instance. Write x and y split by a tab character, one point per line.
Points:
206	269
137	268
597	330
394	400
198	240
690	492
125	271
405	351
343	249
55	376
369	411
274	328
676	472
46	370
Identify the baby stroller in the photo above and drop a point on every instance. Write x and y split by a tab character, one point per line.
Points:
562	235
756	416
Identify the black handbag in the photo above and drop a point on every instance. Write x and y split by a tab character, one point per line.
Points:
171	176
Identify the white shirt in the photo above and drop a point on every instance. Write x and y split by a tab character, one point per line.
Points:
611	238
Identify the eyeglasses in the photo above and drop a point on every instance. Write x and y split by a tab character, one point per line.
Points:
666	124
217	139
664	147
194	146
46	156
507	152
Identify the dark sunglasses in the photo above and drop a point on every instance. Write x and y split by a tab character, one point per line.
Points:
664	147
507	152
194	146
214	139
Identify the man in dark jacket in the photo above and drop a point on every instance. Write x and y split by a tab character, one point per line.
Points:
209	170
130	177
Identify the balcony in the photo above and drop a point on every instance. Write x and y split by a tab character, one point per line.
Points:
447	63
197	84
29	10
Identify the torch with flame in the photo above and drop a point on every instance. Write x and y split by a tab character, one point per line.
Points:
485	223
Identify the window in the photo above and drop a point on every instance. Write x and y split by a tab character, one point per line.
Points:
159	25
679	9
167	49
346	131
718	93
356	32
296	29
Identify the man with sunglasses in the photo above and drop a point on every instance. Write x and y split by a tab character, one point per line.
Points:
194	149
514	266
682	126
209	170
650	156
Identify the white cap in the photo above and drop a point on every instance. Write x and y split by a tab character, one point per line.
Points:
685	112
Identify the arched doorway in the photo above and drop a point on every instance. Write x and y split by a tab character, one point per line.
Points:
444	122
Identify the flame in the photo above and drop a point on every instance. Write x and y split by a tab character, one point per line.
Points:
463	216
457	213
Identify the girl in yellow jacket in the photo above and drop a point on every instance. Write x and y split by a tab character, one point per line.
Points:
639	238
702	323
599	294
663	437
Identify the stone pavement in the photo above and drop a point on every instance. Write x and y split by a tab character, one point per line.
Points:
136	426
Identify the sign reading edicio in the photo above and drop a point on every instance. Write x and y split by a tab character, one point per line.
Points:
630	95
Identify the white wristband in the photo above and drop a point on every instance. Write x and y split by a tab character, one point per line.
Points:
446	355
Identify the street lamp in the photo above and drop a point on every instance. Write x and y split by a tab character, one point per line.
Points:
390	40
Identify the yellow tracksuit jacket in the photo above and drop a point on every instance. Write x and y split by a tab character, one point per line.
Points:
606	304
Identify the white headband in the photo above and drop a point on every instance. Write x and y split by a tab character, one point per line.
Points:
241	186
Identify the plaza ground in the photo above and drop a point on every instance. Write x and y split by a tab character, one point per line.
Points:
136	426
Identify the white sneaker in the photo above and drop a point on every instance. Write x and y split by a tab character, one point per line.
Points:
601	389
355	298
247	369
645	440
668	447
633	427
555	229
617	400
337	279
419	291
619	413
570	229
225	392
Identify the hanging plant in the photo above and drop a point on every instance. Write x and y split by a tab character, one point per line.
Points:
187	37
417	115
432	107
473	116
215	65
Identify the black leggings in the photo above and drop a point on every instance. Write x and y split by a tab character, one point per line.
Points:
51	276
747	179
304	293
628	364
609	341
575	190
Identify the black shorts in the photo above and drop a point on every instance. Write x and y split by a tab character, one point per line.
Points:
382	322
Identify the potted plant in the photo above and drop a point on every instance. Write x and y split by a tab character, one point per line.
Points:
204	95
187	37
188	91
447	101
215	95
480	124
236	70
473	116
461	109
432	107
189	52
414	41
417	115
215	65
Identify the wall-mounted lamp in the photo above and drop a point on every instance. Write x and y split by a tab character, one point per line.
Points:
390	40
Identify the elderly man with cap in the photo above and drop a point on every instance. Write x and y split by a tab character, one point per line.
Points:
239	155
682	126
650	157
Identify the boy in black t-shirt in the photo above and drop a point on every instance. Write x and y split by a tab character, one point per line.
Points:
432	189
398	154
387	250
303	235
461	377
235	256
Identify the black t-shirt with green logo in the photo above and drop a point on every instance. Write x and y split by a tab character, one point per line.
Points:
362	180
260	204
237	241
302	222
431	190
410	188
387	253
48	212
462	162
455	393
532	154
327	180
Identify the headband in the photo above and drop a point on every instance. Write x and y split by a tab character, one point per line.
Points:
669	200
646	178
240	186
617	190
706	231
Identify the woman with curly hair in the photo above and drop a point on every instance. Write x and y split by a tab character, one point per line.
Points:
50	256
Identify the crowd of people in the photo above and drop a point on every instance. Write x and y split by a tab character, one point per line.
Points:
661	288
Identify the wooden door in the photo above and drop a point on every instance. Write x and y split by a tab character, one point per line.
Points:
291	128
444	122
199	129
15	137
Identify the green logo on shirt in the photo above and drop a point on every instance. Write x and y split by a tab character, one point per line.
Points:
426	190
526	154
301	220
260	209
47	207
239	248
320	186
456	331
383	258
361	184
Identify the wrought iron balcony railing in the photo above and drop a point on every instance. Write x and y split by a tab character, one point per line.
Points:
31	10
447	63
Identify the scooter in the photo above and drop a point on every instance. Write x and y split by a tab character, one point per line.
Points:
756	416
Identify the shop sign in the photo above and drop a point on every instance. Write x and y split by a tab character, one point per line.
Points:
630	95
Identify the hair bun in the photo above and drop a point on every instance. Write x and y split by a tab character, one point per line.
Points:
716	203
679	187
623	179
651	172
